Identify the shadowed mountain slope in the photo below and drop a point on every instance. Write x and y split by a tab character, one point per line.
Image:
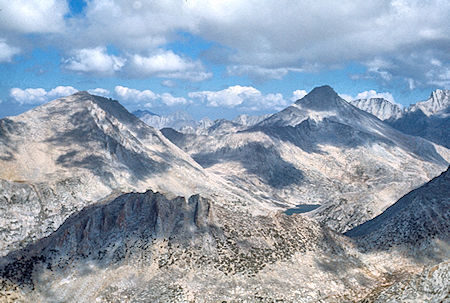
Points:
414	220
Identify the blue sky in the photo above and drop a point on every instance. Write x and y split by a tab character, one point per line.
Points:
220	58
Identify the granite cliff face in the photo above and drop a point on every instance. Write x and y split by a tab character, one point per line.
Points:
145	247
320	150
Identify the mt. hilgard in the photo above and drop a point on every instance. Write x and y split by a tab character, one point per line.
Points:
320	150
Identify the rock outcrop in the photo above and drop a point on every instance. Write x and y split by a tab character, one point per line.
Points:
145	247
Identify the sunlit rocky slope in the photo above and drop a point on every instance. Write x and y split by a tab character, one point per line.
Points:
320	150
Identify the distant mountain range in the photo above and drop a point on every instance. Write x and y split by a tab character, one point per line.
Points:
428	119
176	120
182	121
379	107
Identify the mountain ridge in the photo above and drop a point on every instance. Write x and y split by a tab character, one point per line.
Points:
169	239
209	224
379	107
74	151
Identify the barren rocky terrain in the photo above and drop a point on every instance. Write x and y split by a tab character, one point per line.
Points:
97	206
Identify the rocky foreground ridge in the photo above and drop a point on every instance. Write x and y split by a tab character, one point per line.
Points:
144	247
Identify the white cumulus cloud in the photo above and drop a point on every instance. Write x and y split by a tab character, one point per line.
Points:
298	94
7	51
243	96
167	64
94	60
61	91
99	92
147	97
40	95
134	95
161	62
170	100
33	16
394	39
29	95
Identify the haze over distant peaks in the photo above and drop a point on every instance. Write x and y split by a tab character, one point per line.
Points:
142	113
176	120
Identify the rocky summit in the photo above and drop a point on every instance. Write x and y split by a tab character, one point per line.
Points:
319	202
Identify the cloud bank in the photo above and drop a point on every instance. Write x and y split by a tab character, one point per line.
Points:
35	96
7	52
245	97
147	97
396	40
